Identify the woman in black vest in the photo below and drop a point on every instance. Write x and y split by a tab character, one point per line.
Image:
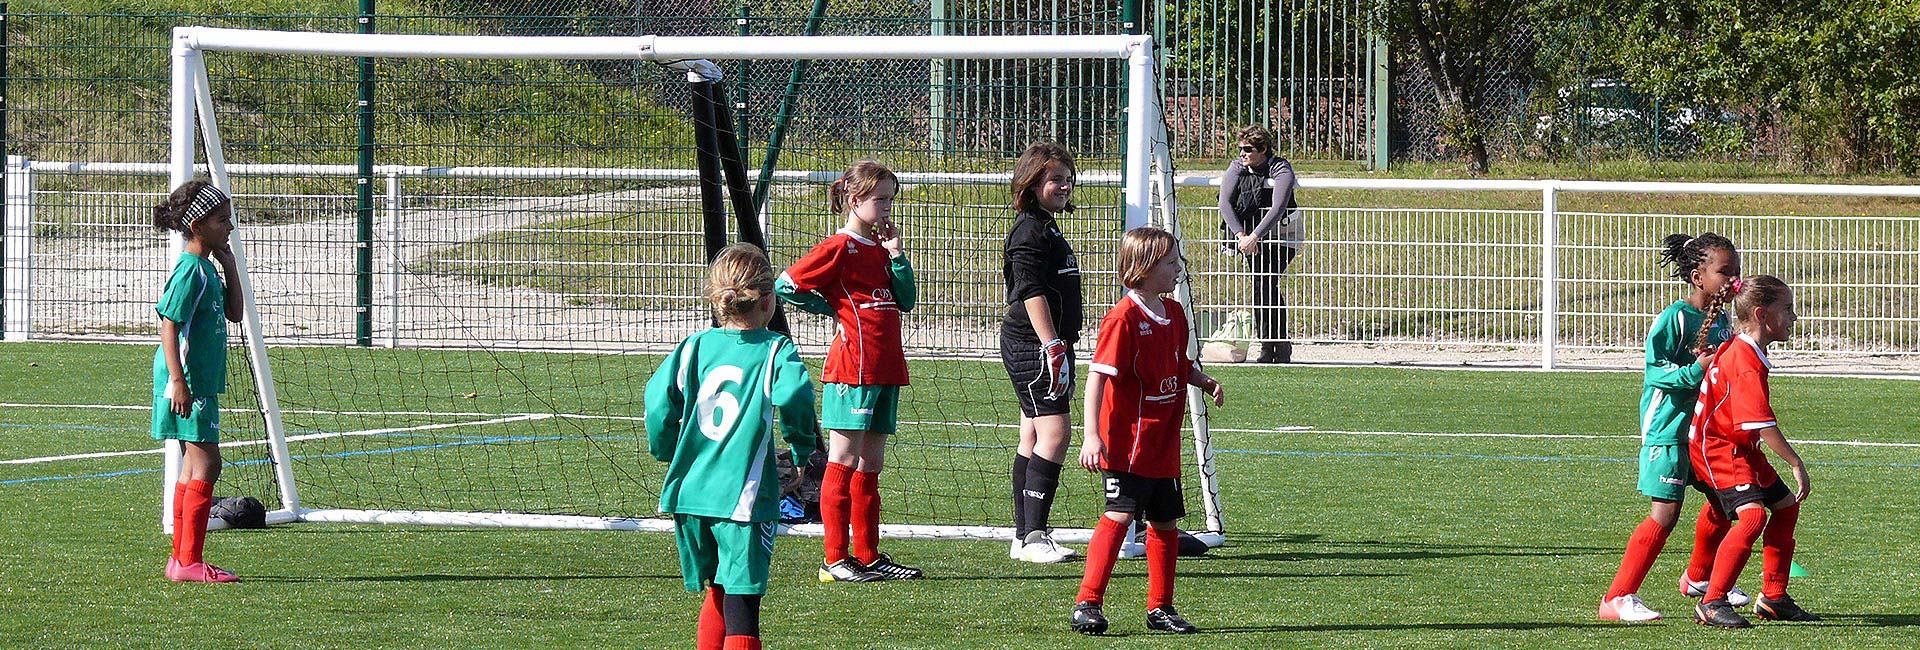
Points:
1262	222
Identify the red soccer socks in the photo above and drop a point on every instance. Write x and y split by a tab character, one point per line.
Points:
1642	549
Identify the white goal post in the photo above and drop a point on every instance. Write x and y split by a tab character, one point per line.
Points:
1146	182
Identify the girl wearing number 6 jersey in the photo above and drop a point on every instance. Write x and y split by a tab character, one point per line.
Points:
711	408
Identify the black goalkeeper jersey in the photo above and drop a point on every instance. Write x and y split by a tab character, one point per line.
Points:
1040	262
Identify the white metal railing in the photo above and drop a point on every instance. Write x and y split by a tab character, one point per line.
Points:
1539	278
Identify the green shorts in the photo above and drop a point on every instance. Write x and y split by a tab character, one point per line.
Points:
848	407
1665	472
723	552
200	424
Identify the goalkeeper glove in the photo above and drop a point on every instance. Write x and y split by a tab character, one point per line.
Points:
1058	367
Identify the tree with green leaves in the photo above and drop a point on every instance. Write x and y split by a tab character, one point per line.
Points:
1466	48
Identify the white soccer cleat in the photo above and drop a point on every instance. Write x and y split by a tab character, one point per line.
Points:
1040	549
1131	549
1691	589
1014	552
1627	608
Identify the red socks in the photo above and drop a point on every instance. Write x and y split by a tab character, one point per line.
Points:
1642	549
850	501
713	626
192	501
1708	530
1776	556
865	491
742	642
1163	549
1102	552
179	528
834	505
1732	556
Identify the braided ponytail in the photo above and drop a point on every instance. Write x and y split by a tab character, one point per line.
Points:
1701	342
1685	253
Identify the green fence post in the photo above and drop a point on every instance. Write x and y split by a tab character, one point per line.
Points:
363	205
4	28
1382	90
784	114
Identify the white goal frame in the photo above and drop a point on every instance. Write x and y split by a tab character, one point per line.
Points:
1147	181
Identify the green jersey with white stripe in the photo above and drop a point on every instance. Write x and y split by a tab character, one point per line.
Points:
196	299
711	408
1672	380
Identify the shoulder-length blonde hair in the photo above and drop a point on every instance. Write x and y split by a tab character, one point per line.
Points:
1140	248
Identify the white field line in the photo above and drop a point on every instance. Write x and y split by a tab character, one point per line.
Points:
312	436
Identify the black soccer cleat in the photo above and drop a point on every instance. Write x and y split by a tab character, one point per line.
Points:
1164	619
848	570
1719	613
891	570
1782	610
1088	619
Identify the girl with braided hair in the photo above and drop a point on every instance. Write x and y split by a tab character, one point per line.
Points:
190	367
1678	354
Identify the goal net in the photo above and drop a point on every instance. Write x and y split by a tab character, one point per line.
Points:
464	256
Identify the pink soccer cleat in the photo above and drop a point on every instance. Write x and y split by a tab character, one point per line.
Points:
200	572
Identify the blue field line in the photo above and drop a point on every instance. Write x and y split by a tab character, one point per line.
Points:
344	454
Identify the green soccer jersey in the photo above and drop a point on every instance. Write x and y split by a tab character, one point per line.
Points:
196	299
711	408
1673	376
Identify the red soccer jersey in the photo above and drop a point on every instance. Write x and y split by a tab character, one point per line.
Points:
851	272
1145	359
1733	407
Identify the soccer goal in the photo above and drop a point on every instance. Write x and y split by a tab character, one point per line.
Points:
462	256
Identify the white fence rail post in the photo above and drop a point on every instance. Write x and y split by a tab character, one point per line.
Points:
394	263
1549	272
18	265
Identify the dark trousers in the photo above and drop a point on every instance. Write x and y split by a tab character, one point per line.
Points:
1270	305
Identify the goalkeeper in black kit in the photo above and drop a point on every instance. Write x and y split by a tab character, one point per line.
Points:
1036	341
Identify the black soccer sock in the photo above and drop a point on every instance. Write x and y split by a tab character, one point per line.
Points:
1043	478
742	613
1019	496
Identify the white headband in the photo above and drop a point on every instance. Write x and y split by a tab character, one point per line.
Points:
204	201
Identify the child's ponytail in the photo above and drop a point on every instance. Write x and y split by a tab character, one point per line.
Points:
738	279
188	203
859	181
1721	298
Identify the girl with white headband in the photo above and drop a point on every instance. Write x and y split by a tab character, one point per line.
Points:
190	368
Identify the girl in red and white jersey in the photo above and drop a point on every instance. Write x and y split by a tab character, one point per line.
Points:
861	277
1136	399
1732	419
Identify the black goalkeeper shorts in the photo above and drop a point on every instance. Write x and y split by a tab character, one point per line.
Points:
1026	367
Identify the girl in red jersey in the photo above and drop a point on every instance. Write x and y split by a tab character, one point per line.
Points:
1731	421
860	275
1136	399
